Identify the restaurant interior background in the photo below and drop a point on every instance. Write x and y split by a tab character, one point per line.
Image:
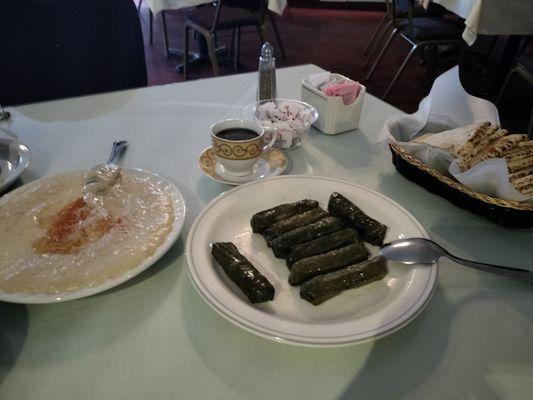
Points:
334	35
173	326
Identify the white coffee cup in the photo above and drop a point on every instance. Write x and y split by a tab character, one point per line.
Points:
238	144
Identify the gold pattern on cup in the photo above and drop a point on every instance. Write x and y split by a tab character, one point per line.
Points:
238	151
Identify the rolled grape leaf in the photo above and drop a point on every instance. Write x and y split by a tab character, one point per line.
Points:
282	243
291	223
369	229
310	267
241	272
263	219
324	287
322	245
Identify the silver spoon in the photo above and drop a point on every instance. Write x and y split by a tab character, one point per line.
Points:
4	115
102	176
425	251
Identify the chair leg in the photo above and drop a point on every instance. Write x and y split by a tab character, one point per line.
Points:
374	48
289	12
185	50
165	35
413	50
430	73
151	24
260	33
504	86
232	43
278	36
387	43
237	52
212	54
530	128
375	34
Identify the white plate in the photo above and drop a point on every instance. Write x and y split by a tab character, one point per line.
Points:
14	159
177	225
356	315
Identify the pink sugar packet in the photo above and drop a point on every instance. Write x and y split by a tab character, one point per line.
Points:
348	90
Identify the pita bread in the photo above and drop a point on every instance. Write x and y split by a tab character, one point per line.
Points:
496	148
526	145
455	140
515	165
480	139
526	188
520	174
518	154
524	181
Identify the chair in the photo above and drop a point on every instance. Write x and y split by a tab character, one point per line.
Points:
68	48
422	33
401	12
151	27
226	15
524	69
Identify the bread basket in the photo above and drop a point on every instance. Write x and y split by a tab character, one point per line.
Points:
511	214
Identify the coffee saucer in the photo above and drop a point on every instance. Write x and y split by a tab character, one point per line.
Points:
272	163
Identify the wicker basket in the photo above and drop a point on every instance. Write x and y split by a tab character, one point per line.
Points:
508	213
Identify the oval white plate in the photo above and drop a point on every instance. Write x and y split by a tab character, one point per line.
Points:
356	315
14	159
177	225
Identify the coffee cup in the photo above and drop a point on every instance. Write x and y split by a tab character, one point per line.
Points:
238	144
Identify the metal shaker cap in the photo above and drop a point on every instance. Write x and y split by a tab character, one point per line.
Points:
267	52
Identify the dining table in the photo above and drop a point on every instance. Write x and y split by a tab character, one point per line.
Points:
490	17
154	337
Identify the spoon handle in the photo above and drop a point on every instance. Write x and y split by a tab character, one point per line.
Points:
517	273
116	151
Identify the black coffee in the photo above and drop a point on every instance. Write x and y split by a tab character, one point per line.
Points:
237	134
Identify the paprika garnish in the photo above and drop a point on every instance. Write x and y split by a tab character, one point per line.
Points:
72	228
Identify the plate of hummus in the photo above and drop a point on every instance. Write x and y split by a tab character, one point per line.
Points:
54	246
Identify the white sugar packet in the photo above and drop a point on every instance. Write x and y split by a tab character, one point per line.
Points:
449	107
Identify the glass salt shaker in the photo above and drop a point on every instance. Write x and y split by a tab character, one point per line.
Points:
266	86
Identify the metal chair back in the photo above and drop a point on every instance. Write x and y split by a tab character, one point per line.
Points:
258	6
401	5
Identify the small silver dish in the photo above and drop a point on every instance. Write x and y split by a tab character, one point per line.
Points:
14	159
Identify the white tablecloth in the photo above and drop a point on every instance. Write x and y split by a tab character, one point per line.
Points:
155	338
159	5
491	17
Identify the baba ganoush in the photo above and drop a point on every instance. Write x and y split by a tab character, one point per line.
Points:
51	241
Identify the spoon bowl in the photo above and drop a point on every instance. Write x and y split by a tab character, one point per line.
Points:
412	251
425	251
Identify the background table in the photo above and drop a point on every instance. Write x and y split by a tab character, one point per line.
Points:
159	5
491	17
155	338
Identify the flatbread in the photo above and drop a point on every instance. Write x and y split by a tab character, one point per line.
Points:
520	174
526	145
496	148
517	162
481	138
519	154
465	142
